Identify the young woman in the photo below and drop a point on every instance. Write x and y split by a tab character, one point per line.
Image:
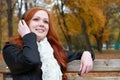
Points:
36	54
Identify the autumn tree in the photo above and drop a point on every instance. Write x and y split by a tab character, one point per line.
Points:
3	25
76	9
20	5
92	20
1	18
10	6
0	25
111	9
113	16
61	16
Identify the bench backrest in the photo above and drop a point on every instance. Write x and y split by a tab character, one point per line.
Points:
104	69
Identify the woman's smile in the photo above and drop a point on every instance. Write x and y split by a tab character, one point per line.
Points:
40	30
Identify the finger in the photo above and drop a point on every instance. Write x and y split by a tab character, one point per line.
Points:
79	73
83	70
80	70
20	24
81	66
89	68
24	23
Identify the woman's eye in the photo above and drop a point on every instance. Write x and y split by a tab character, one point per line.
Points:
35	19
46	22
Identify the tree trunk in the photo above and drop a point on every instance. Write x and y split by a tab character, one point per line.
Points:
10	14
26	7
19	8
65	35
99	42
0	33
66	31
107	45
88	44
99	45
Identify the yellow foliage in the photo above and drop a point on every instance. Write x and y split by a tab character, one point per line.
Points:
73	24
97	20
93	12
106	35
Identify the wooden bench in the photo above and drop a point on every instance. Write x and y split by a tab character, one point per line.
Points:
104	69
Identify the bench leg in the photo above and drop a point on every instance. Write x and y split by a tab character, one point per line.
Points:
1	76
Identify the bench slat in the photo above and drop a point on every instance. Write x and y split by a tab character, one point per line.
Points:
87	78
3	67
99	65
94	78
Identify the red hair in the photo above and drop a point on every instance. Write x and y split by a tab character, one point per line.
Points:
52	38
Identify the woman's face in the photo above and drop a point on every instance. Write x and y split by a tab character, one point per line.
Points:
39	24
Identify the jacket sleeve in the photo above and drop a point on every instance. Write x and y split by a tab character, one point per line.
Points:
76	55
20	61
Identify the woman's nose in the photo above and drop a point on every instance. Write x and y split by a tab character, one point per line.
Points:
41	24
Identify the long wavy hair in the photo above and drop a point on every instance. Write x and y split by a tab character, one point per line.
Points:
52	38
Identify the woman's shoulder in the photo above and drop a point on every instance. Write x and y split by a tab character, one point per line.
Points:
9	46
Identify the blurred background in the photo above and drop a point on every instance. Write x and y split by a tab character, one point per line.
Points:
80	24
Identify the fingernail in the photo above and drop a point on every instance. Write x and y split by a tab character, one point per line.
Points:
79	73
21	21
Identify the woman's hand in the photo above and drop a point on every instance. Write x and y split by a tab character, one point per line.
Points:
23	28
86	63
